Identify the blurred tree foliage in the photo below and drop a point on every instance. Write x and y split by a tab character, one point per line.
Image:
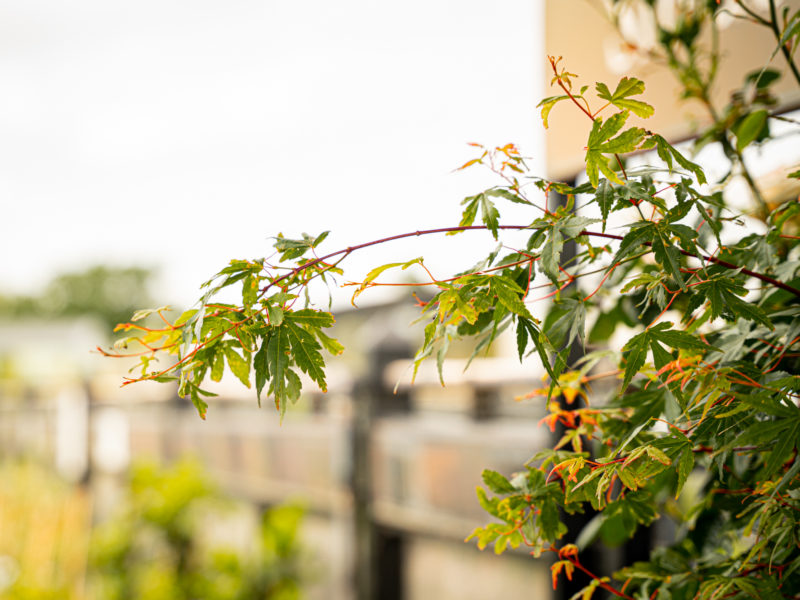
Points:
110	294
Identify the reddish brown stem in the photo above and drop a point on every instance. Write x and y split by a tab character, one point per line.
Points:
602	281
602	584
528	261
666	308
346	251
720	262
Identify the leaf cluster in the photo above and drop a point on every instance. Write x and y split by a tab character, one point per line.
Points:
267	339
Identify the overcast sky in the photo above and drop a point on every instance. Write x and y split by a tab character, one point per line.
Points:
180	134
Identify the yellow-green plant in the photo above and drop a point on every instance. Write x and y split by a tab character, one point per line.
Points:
156	544
45	535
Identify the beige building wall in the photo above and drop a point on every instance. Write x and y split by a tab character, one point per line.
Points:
580	32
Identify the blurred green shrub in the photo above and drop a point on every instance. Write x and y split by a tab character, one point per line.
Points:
172	536
161	544
109	294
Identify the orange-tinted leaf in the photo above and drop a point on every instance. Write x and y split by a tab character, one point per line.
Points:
469	163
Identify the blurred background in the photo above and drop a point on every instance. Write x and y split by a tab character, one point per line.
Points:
143	146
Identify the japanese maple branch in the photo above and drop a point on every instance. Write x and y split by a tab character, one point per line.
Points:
344	252
350	249
718	261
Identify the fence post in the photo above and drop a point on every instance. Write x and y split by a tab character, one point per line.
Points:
377	553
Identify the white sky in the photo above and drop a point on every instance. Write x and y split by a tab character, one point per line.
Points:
180	134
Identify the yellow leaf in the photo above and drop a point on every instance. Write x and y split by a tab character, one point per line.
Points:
570	394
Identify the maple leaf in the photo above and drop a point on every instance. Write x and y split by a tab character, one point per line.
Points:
621	98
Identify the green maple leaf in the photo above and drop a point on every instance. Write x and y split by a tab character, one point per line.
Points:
292	249
566	227
261	367
724	294
603	131
685	466
627	141
549	521
547	105
507	194
199	403
605	198
602	140
677	338
527	329
307	355
311	317
574	224
249	290
621	98
667	153
330	344
551	254
685	234
489	213
293	386
239	366
314	320
497	482
509	294
635	351
278	362
470	204
783	448
668	256
571	324
217	365
640	233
